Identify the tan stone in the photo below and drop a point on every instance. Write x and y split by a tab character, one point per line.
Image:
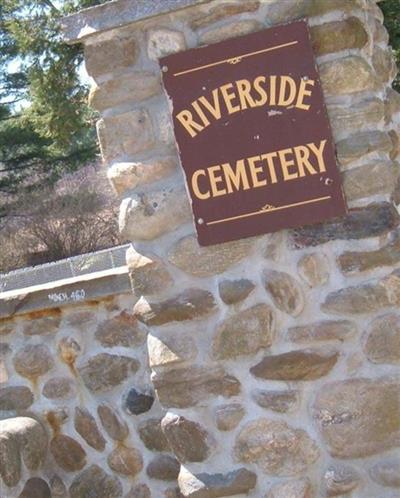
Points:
233	291
125	134
146	216
358	261
69	349
57	487
359	417
105	371
348	75
129	175
339	480
15	398
365	298
68	453
210	260
386	472
231	30
110	56
325	330
86	426
162	42
170	349
94	481
392	104
292	489
59	388
228	417
275	447
188	305
164	468
285	291
139	491
357	182
303	364
384	63
314	269
130	87
125	461
244	333
338	35
184	387
345	119
35	487
112	422
222	11
7	327
43	325
120	330
189	441
148	274
33	360
361	144
277	401
382	341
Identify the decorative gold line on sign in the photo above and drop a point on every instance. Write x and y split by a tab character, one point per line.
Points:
269	209
235	60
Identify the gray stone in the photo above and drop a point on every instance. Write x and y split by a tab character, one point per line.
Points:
43	325
164	468
277	448
105	371
6	327
93	481
113	424
33	360
386	472
67	453
203	485
340	480
86	426
300	488
244	333
148	275
170	349
233	291
125	134
148	215
360	223
59	388
162	42
359	417
384	64
58	488
125	461
188	305
277	401
21	438
139	491
361	144
129	175
227	417
325	330
347	75
36	488
222	11
133	86
382	342
136	403
306	364
285	291
189	441
357	181
210	260
152	436
121	330
230	30
15	398
184	387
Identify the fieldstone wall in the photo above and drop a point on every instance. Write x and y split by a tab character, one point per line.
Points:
274	361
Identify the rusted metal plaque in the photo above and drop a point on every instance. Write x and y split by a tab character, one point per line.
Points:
253	134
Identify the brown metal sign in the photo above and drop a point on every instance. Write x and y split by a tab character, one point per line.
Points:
253	134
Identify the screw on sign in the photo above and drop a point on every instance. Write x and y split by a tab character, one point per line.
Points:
253	134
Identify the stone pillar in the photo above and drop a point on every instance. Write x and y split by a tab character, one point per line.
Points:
274	358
